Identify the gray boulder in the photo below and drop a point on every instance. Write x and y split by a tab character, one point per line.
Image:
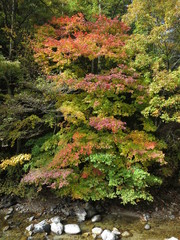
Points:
91	211
81	214
43	226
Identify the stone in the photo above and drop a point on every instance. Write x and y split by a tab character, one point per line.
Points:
171	217
43	226
96	218
6	217
147	227
172	238
91	211
116	231
10	211
72	229
81	214
125	234
31	219
97	230
108	235
6	228
86	235
146	217
55	219
30	227
94	236
57	228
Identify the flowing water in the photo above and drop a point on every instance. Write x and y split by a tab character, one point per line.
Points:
160	229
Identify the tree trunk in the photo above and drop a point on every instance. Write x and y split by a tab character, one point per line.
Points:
12	29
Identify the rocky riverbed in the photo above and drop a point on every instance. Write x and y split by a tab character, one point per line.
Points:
55	219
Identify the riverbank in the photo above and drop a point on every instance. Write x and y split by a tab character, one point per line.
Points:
162	216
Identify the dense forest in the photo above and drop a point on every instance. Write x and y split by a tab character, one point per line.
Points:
89	98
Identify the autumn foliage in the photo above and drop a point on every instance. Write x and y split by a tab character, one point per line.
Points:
104	142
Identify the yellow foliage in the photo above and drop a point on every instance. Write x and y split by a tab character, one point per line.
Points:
13	161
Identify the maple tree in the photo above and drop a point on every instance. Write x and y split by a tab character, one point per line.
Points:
108	154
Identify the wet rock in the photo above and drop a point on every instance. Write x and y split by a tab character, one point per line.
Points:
7	201
30	227
147	227
72	229
66	212
57	228
108	235
43	226
81	214
146	217
97	230
10	211
171	217
116	231
91	211
30	238
31	219
6	217
86	235
96	218
6	228
125	234
55	219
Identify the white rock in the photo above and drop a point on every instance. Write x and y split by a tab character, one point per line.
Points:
97	230
55	219
96	218
31	219
57	228
172	238
72	229
116	231
125	234
30	228
10	210
147	227
108	235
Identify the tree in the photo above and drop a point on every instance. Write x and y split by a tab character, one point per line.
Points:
106	146
153	51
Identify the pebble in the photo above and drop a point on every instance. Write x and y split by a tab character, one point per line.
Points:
30	228
10	210
147	227
6	228
6	217
116	231
96	218
72	229
97	230
31	219
125	234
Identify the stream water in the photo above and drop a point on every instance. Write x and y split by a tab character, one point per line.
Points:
160	229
